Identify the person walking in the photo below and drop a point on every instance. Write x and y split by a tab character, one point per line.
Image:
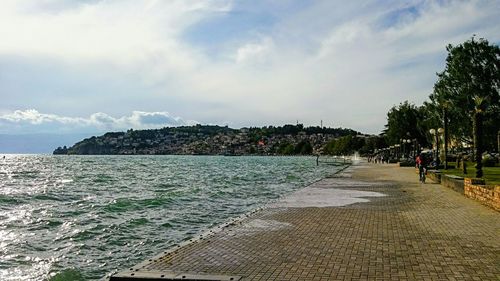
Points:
421	165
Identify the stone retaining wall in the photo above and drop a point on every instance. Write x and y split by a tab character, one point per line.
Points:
486	194
470	187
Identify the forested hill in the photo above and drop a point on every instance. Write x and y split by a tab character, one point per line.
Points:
211	140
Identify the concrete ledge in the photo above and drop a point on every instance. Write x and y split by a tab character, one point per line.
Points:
434	175
406	164
453	182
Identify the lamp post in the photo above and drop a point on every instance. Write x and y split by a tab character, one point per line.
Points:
406	151
445	146
408	142
445	125
435	133
403	145
415	148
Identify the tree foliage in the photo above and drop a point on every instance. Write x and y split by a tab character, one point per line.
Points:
289	129
407	121
470	84
371	143
465	101
303	147
472	75
344	145
471	81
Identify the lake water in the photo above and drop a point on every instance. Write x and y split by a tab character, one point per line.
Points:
82	217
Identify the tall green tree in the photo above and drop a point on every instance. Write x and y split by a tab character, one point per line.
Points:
406	121
448	112
346	145
471	84
371	144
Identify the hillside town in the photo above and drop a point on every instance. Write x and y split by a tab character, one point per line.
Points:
210	140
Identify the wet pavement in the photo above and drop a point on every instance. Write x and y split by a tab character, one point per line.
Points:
373	222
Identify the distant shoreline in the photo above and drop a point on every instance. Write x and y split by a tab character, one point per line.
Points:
210	140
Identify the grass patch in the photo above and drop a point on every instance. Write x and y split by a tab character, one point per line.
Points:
490	174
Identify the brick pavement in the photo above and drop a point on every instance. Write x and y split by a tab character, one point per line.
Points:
414	232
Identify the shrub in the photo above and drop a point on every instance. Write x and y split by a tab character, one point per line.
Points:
489	162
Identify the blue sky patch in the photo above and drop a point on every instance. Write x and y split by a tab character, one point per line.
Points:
241	63
228	27
399	16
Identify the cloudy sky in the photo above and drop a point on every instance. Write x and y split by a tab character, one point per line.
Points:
75	66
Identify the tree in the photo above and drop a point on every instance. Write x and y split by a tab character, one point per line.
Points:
457	125
344	145
471	83
372	143
286	148
404	121
303	148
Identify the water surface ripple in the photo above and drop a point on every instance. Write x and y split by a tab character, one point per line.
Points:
81	217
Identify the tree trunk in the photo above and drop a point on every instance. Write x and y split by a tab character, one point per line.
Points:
445	126
478	142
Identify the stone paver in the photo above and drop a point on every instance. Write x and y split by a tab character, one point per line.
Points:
415	232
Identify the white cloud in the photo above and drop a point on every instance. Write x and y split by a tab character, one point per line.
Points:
33	117
32	121
342	62
255	52
120	32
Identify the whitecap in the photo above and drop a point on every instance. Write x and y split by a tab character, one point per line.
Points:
65	181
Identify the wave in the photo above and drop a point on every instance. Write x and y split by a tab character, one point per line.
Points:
68	275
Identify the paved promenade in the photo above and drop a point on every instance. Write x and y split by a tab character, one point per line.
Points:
392	228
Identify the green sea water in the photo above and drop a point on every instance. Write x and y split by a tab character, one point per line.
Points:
83	217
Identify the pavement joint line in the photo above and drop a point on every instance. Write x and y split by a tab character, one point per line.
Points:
416	232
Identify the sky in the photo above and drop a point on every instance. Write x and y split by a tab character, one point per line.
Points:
77	67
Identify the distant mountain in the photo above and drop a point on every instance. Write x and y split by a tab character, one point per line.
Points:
210	140
36	143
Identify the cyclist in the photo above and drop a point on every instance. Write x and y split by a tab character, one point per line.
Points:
421	165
